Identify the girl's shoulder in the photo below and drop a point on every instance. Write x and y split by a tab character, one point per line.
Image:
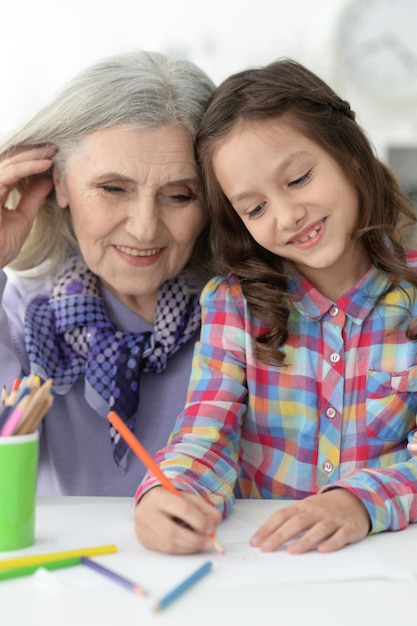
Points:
222	287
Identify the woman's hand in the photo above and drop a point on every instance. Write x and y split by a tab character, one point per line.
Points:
16	224
326	522
166	522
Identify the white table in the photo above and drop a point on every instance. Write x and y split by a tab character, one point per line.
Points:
61	598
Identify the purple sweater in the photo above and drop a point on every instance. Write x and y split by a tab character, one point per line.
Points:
75	449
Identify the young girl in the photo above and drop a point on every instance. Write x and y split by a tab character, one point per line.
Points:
303	384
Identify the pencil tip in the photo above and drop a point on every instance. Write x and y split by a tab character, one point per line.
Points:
140	592
217	545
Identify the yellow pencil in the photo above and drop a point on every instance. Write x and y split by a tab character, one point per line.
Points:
41	559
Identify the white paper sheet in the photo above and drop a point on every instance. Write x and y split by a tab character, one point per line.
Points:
241	564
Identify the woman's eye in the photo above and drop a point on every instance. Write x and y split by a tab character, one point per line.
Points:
111	188
181	197
255	211
301	180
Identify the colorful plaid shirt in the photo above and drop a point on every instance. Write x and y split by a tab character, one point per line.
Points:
340	414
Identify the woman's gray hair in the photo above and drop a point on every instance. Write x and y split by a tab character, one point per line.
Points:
138	89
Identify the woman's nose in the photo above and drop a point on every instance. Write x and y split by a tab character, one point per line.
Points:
142	220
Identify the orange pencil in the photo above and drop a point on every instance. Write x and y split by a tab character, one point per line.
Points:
148	461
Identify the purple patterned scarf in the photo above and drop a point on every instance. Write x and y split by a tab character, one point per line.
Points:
69	335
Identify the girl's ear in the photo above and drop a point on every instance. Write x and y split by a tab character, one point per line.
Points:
60	188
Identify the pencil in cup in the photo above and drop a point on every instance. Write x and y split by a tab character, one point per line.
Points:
183	586
31	405
39	404
111	575
149	463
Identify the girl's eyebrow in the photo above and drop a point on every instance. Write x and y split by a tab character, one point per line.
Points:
279	168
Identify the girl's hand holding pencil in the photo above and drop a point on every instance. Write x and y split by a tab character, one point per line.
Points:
166	522
25	406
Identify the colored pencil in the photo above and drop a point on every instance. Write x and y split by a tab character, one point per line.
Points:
16	384
11	398
7	411
31	405
15	417
184	586
121	580
27	385
16	572
148	461
41	559
40	403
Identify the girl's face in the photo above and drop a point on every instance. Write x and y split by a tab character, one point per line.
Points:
295	201
137	208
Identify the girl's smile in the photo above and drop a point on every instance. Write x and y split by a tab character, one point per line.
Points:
310	236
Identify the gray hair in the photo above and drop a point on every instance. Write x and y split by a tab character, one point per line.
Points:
138	89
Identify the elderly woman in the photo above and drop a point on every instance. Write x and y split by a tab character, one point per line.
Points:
108	243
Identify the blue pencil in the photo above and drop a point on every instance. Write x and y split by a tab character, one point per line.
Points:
186	584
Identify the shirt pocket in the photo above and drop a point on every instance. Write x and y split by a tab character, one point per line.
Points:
391	404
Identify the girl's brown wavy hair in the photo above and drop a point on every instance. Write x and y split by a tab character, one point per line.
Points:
286	89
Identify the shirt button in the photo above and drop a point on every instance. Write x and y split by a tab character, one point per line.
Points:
334	357
328	467
333	311
331	412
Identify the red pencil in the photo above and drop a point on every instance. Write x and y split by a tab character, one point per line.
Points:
148	461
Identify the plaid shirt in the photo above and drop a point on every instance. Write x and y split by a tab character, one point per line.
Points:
339	414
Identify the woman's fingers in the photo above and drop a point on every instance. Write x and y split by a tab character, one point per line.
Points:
15	224
20	165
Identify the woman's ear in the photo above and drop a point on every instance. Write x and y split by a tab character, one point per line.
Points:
60	188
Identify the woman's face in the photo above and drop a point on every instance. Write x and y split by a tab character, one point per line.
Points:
295	200
137	208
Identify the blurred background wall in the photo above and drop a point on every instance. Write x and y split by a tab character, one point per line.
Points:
44	42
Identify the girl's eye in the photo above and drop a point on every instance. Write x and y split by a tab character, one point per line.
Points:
300	181
256	211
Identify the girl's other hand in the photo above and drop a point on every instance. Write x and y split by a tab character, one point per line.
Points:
16	224
324	522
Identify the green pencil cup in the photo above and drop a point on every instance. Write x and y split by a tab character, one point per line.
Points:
18	478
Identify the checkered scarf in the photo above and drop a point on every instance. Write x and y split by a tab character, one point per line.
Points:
69	335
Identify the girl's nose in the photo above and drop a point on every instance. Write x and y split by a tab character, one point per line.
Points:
290	217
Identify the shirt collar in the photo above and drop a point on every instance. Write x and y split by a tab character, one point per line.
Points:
356	303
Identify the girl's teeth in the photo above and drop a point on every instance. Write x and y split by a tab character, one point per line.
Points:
311	234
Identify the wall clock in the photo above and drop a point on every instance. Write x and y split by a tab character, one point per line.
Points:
377	49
